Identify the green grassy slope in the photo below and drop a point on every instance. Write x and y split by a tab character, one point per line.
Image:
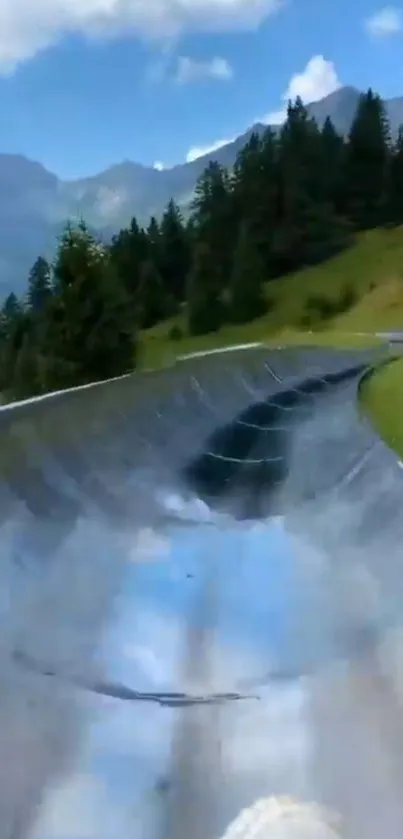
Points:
382	399
372	268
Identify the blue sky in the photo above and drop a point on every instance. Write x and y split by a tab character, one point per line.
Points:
88	83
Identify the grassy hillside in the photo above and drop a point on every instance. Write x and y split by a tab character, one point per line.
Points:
382	398
370	273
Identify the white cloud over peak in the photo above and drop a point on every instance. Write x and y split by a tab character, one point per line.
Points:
190	70
27	26
317	80
199	151
387	21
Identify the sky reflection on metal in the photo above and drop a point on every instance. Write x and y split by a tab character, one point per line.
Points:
237	586
164	662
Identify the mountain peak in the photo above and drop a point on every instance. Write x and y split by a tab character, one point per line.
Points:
341	93
39	202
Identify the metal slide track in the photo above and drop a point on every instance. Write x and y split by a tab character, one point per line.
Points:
201	605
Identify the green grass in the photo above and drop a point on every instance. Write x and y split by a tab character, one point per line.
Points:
382	399
372	268
158	351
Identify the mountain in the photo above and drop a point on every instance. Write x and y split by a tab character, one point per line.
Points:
35	204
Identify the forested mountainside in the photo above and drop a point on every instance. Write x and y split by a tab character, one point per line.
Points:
292	198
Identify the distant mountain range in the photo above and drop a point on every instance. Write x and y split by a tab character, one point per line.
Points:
35	204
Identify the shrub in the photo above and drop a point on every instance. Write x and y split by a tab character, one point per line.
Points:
175	333
346	300
305	320
321	308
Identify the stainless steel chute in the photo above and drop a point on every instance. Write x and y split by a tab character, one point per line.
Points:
200	603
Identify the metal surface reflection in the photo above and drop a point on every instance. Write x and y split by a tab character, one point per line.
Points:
171	632
185	629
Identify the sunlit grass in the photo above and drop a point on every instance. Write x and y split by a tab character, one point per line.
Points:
373	268
382	399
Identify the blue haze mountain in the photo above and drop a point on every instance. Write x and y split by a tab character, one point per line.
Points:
35	204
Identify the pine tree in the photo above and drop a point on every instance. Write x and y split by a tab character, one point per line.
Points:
174	252
298	184
205	307
154	242
10	313
367	163
247	300
254	188
213	217
91	332
39	286
308	226
13	320
396	181
129	248
14	326
153	303
333	162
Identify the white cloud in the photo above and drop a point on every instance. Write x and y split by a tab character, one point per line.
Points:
158	166
388	21
27	26
190	70
198	151
317	80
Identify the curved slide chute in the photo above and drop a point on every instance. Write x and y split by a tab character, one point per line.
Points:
200	602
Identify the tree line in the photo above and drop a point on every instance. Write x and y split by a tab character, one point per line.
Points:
293	198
